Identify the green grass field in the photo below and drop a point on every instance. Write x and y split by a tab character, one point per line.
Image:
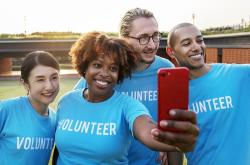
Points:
13	88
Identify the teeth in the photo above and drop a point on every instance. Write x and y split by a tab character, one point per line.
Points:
47	94
101	82
196	55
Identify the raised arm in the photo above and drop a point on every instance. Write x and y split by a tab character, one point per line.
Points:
147	132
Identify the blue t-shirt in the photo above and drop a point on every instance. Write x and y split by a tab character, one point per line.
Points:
221	100
95	133
142	86
26	137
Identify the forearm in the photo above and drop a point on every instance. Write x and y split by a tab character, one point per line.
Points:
142	131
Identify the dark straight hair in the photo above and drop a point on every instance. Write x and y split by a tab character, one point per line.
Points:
35	58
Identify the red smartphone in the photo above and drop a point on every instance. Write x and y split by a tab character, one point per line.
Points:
173	85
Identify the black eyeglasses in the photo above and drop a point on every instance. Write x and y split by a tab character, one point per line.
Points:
144	39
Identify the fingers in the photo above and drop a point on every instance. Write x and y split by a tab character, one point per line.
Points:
184	121
183	142
173	138
184	139
182	126
178	114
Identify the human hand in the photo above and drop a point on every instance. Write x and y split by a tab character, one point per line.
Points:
185	122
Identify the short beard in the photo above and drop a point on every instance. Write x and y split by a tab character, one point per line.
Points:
147	62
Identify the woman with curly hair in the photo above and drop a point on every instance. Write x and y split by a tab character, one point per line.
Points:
96	124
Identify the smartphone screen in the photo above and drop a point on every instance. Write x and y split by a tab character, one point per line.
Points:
173	85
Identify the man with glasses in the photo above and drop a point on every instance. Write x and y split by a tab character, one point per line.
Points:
140	29
144	39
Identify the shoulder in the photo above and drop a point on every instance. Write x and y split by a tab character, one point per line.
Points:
241	68
128	100
158	63
131	107
232	66
11	103
80	84
66	102
232	69
163	62
71	94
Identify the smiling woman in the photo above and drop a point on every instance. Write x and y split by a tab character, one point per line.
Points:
27	119
101	113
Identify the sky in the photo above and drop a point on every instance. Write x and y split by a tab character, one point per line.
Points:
20	16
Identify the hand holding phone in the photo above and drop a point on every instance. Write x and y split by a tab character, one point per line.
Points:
173	85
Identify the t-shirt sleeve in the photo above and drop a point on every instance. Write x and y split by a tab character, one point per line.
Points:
244	68
80	84
248	69
133	110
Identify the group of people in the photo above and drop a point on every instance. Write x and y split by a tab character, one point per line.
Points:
109	117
